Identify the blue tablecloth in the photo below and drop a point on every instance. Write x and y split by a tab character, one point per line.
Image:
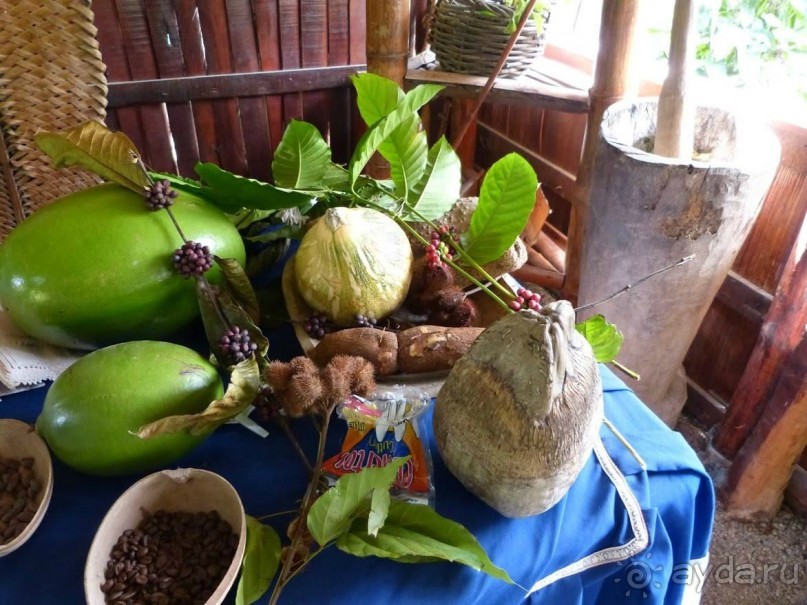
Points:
675	494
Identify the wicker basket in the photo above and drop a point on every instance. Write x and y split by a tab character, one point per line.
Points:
469	36
51	78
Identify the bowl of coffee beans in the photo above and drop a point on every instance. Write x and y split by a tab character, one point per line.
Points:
175	537
26	483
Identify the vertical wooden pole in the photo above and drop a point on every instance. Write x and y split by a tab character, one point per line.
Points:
781	333
387	53
388	38
614	79
759	474
675	126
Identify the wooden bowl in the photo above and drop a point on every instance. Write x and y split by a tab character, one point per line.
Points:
19	440
181	490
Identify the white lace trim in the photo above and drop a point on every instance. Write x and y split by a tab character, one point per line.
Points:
615	553
26	362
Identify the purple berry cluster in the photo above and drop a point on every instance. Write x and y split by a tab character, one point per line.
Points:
160	195
192	259
318	325
525	299
237	345
365	321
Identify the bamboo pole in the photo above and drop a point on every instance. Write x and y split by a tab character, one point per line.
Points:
388	38
614	79
675	125
387	53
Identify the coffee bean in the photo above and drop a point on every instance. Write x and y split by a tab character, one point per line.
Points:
171	558
18	493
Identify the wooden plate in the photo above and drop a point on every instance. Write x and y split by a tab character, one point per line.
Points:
185	489
19	440
299	311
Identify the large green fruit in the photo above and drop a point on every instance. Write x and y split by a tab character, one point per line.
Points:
94	267
92	410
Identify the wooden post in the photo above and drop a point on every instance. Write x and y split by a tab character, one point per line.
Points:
762	468
781	333
613	80
675	127
387	53
388	38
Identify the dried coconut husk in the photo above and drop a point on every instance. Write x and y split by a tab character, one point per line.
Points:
517	416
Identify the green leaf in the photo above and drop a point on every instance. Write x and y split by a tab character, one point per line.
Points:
284	232
414	533
439	187
261	560
505	203
246	217
180	183
336	178
406	150
110	155
369	143
302	157
334	511
219	312
239	286
604	337
245	382
376	96
231	192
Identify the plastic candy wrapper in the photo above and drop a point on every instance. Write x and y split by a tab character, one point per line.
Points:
382	428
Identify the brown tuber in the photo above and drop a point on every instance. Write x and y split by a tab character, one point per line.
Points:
432	348
379	347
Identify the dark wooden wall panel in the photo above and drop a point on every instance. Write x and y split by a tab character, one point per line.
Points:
314	46
164	29
177	40
267	24
192	43
110	39
340	103
216	36
253	116
721	350
289	19
143	66
768	245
